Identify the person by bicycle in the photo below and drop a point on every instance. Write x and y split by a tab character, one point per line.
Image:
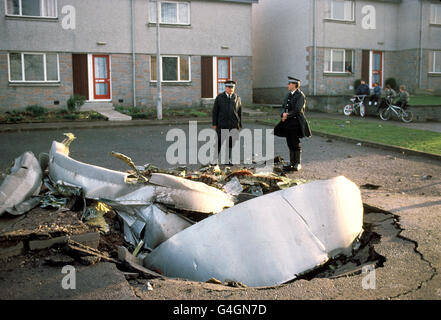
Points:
363	89
387	96
375	98
404	96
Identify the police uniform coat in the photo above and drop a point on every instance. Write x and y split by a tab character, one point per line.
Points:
227	112
296	123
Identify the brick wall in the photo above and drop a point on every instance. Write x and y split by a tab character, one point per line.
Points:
122	87
21	96
403	66
173	94
243	74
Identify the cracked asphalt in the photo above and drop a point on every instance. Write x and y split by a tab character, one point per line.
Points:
405	211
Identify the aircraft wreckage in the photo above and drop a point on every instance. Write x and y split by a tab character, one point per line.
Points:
193	226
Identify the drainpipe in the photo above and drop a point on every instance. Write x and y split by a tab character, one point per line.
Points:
420	80
158	64
314	19
133	55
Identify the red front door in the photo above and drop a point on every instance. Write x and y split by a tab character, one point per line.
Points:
101	77
223	73
377	68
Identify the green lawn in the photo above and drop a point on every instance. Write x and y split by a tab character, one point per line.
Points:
425	100
420	140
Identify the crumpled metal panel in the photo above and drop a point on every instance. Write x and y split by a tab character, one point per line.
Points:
17	188
148	223
189	195
97	182
101	183
267	240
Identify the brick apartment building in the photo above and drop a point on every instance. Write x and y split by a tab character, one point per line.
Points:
105	50
329	44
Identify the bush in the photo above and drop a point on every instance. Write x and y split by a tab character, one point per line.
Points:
392	82
75	102
71	116
36	110
96	116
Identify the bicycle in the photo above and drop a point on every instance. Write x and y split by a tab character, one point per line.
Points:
356	107
400	113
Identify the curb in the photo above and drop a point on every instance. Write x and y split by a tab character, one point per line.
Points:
155	122
377	145
94	124
402	150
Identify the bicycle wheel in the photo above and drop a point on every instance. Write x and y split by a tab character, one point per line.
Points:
385	114
406	116
347	110
362	110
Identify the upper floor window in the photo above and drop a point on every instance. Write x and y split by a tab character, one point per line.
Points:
32	8
435	62
339	60
342	10
33	67
171	12
435	13
174	68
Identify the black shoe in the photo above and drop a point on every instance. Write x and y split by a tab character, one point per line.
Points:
288	168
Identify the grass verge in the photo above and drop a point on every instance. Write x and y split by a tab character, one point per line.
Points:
414	139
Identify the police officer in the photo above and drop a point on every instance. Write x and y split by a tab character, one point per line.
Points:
294	122
227	113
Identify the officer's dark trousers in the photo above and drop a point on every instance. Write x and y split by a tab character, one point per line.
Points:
219	143
293	143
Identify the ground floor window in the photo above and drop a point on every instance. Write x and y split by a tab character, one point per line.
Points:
435	62
174	68
33	67
33	8
339	60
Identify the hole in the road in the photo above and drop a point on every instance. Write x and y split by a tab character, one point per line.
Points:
363	255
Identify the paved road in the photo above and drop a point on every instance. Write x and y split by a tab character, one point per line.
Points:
409	189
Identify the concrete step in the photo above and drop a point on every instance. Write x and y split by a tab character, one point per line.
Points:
106	109
113	115
97	106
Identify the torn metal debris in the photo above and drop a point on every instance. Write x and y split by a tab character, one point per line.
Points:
267	240
234	225
20	185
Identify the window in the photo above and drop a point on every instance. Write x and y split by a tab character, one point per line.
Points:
173	68
32	8
339	60
33	67
435	62
435	14
171	12
342	10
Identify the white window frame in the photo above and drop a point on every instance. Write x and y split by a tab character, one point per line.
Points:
435	14
331	12
178	66
23	75
344	60
153	13
434	55
41	10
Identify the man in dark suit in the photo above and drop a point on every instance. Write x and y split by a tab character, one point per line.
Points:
294	123
227	113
